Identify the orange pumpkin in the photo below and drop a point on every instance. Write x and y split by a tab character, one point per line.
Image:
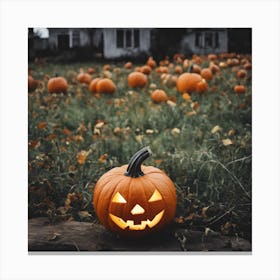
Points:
196	59
146	69
178	57
212	56
105	86
57	85
214	68
159	95
137	80
162	69
91	70
151	62
32	84
187	82
134	200
241	73
239	89
206	74
169	80
196	68
201	86
106	67
128	65
178	69
92	85
84	78
248	66
186	96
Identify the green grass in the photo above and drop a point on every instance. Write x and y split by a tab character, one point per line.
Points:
205	171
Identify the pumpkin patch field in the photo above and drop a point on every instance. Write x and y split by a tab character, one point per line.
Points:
193	113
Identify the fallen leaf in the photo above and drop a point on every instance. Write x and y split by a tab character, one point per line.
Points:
153	86
103	158
96	131
186	96
149	131
139	138
204	212
227	142
158	161
172	98
84	214
216	129
195	105
192	216
231	132
34	144
42	125
73	200
66	131
99	125
179	220
78	138
82	156
82	128
117	130
192	113
175	131
54	236
171	103
50	137
63	210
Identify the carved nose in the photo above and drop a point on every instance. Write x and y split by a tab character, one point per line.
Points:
137	209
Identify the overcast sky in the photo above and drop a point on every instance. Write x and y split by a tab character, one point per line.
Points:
43	32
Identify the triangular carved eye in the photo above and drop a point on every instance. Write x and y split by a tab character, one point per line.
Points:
118	198
155	196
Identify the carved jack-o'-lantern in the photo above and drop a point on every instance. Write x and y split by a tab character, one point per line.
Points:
134	200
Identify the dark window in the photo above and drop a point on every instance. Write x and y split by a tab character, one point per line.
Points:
198	39
136	38
63	42
120	39
208	40
76	38
128	38
217	43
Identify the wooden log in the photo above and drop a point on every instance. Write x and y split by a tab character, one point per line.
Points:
85	236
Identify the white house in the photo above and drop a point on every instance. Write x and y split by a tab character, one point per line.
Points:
68	38
112	42
115	43
120	42
205	41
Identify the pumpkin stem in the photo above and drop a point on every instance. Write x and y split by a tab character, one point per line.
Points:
134	165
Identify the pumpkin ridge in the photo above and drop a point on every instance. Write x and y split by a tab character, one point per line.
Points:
173	194
151	183
143	182
128	195
100	186
168	190
166	204
112	191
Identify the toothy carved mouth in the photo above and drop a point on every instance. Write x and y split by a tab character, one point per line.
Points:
130	223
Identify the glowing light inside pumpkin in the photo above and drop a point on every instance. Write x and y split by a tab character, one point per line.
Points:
130	224
137	209
156	196
118	198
